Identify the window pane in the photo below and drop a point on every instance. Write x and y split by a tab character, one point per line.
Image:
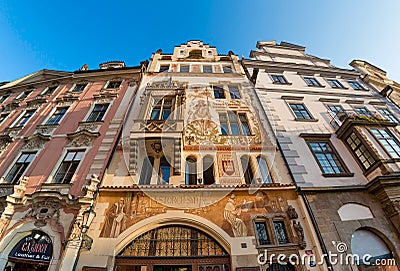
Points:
280	232
262	234
234	92
262	164
326	158
184	68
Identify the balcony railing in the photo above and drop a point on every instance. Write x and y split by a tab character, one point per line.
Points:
339	118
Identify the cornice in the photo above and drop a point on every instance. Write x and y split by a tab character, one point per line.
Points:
329	71
319	93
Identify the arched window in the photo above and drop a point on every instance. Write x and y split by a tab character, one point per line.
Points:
247	171
365	242
264	170
191	171
147	170
165	171
208	170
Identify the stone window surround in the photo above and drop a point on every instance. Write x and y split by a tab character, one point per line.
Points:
269	221
50	179
326	138
20	116
298	100
71	90
313	77
10	166
113	80
94	103
225	86
53	110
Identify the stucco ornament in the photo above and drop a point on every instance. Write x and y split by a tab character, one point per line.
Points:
43	211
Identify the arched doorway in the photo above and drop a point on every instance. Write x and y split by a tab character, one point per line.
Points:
365	242
173	248
31	253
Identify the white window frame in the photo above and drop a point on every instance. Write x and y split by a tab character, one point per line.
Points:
20	116
50	179
45	90
74	85
11	165
92	107
31	89
114	80
52	113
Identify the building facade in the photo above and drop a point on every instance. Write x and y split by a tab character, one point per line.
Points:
339	136
197	181
57	134
377	78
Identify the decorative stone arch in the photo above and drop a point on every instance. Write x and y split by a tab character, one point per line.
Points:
173	218
16	234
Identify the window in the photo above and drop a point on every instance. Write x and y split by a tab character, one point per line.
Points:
363	111
191	171
390	144
4	97
24	119
264	170
207	69
279	79
68	167
312	82
25	94
57	116
20	167
387	115
300	111
147	170
208	170
360	151
3	116
234	123
164	68
227	69
335	108
164	171
247	171
334	83
114	84
234	92
219	92
262	233
326	158
280	232
98	112
162	109
355	85
50	90
184	68
79	87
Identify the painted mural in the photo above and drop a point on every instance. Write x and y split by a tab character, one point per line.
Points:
233	213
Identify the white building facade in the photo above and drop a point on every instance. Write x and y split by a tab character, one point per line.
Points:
340	139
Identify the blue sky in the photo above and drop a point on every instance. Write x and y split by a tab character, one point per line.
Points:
63	35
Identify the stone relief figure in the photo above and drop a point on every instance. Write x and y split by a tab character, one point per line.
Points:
300	232
231	214
115	222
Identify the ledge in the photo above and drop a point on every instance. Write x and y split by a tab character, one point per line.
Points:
338	175
306	120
